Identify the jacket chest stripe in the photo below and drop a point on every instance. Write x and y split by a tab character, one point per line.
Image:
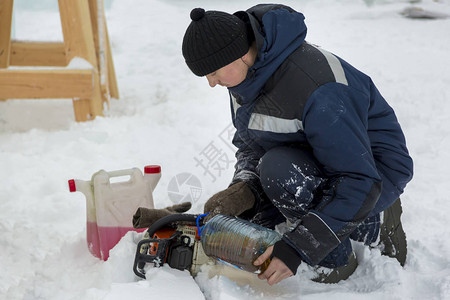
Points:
335	65
274	124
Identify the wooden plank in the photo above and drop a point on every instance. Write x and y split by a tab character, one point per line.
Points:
77	30
79	42
103	51
93	13
112	81
81	108
46	83
97	20
38	54
103	62
6	9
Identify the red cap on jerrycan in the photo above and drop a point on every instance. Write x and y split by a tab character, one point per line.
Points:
152	169
72	186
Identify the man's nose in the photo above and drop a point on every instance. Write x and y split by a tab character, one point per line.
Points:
212	82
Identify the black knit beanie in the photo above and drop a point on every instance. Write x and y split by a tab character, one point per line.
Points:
213	40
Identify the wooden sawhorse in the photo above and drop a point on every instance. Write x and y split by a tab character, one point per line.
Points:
42	71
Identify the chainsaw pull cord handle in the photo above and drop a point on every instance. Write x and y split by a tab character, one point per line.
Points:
200	229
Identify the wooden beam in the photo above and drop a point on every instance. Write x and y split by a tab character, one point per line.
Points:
97	20
79	42
93	13
46	83
82	110
112	81
38	54
77	30
6	9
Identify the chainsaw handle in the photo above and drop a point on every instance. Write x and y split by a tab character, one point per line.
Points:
141	258
171	219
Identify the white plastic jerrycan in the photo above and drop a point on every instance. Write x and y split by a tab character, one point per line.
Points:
110	206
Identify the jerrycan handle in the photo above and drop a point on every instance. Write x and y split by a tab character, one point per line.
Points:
133	176
119	173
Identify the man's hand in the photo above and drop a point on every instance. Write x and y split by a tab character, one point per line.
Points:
232	201
276	271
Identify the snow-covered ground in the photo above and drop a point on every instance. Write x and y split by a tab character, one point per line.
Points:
168	116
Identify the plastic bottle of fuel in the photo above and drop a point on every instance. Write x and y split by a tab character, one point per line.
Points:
237	242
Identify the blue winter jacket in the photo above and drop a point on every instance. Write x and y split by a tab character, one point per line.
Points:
299	94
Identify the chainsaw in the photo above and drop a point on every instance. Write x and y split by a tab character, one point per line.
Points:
185	243
174	240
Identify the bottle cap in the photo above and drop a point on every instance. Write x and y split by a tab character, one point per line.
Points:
72	186
153	169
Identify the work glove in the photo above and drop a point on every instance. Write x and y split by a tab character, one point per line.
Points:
145	217
232	201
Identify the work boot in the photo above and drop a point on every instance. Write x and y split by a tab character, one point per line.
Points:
326	275
392	236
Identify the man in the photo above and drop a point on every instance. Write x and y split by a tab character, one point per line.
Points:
318	146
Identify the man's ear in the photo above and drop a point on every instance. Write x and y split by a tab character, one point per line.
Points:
246	59
250	56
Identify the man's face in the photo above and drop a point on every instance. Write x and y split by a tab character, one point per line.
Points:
230	75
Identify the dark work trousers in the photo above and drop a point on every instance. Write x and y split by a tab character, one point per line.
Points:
294	182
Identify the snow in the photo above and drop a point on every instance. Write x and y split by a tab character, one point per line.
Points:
168	116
